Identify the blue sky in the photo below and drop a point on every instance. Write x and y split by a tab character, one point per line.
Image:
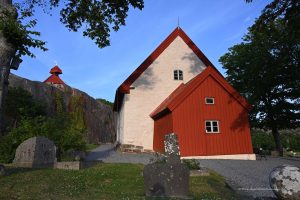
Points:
214	26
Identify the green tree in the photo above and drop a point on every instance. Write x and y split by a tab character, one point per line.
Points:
265	68
19	103
96	19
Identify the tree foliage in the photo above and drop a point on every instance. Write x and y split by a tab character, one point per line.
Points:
94	18
21	36
265	67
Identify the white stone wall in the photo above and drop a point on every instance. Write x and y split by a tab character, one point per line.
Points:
151	88
120	124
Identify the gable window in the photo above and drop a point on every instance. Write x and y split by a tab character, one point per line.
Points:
212	126
209	100
178	75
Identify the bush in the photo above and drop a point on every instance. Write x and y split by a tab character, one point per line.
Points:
290	140
263	140
192	164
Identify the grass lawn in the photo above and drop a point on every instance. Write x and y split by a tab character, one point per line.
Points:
104	181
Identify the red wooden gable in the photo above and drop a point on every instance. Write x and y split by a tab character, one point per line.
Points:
172	101
178	32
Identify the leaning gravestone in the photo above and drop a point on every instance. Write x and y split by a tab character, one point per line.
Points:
285	182
170	179
36	152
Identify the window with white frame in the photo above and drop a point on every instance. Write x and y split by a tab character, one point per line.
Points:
178	75
209	100
212	126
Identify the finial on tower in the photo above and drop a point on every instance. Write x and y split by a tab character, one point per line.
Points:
178	25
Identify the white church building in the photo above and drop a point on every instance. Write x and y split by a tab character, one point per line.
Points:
176	60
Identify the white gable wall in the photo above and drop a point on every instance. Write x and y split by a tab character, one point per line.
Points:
151	88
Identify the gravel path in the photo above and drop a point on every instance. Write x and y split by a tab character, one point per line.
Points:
249	177
106	154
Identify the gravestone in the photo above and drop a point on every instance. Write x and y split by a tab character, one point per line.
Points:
36	152
170	179
171	144
285	182
2	170
172	148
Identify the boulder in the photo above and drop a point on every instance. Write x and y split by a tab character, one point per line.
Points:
285	182
35	152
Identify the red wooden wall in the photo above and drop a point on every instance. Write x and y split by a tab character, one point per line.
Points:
162	126
188	121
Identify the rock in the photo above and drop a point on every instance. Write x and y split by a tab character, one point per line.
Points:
166	180
285	182
2	170
36	152
98	117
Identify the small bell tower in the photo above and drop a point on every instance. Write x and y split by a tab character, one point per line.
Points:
54	79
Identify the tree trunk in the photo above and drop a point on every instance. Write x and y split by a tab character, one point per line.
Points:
277	140
7	52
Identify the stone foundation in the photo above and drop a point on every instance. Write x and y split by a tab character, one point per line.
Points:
130	148
229	157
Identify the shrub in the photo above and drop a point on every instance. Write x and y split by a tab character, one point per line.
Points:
192	164
290	140
262	140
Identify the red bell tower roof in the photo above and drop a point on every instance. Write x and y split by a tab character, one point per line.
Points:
54	78
55	70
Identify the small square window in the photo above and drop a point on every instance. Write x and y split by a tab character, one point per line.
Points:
209	100
212	126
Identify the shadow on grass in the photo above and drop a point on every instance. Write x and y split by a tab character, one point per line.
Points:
18	170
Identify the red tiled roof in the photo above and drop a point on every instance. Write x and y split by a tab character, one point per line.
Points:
180	93
54	79
55	69
125	86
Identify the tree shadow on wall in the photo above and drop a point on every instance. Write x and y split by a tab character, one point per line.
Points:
242	120
195	66
147	80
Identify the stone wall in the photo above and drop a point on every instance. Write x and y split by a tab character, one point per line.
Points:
98	117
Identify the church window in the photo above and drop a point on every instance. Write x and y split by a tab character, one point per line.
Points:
178	75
